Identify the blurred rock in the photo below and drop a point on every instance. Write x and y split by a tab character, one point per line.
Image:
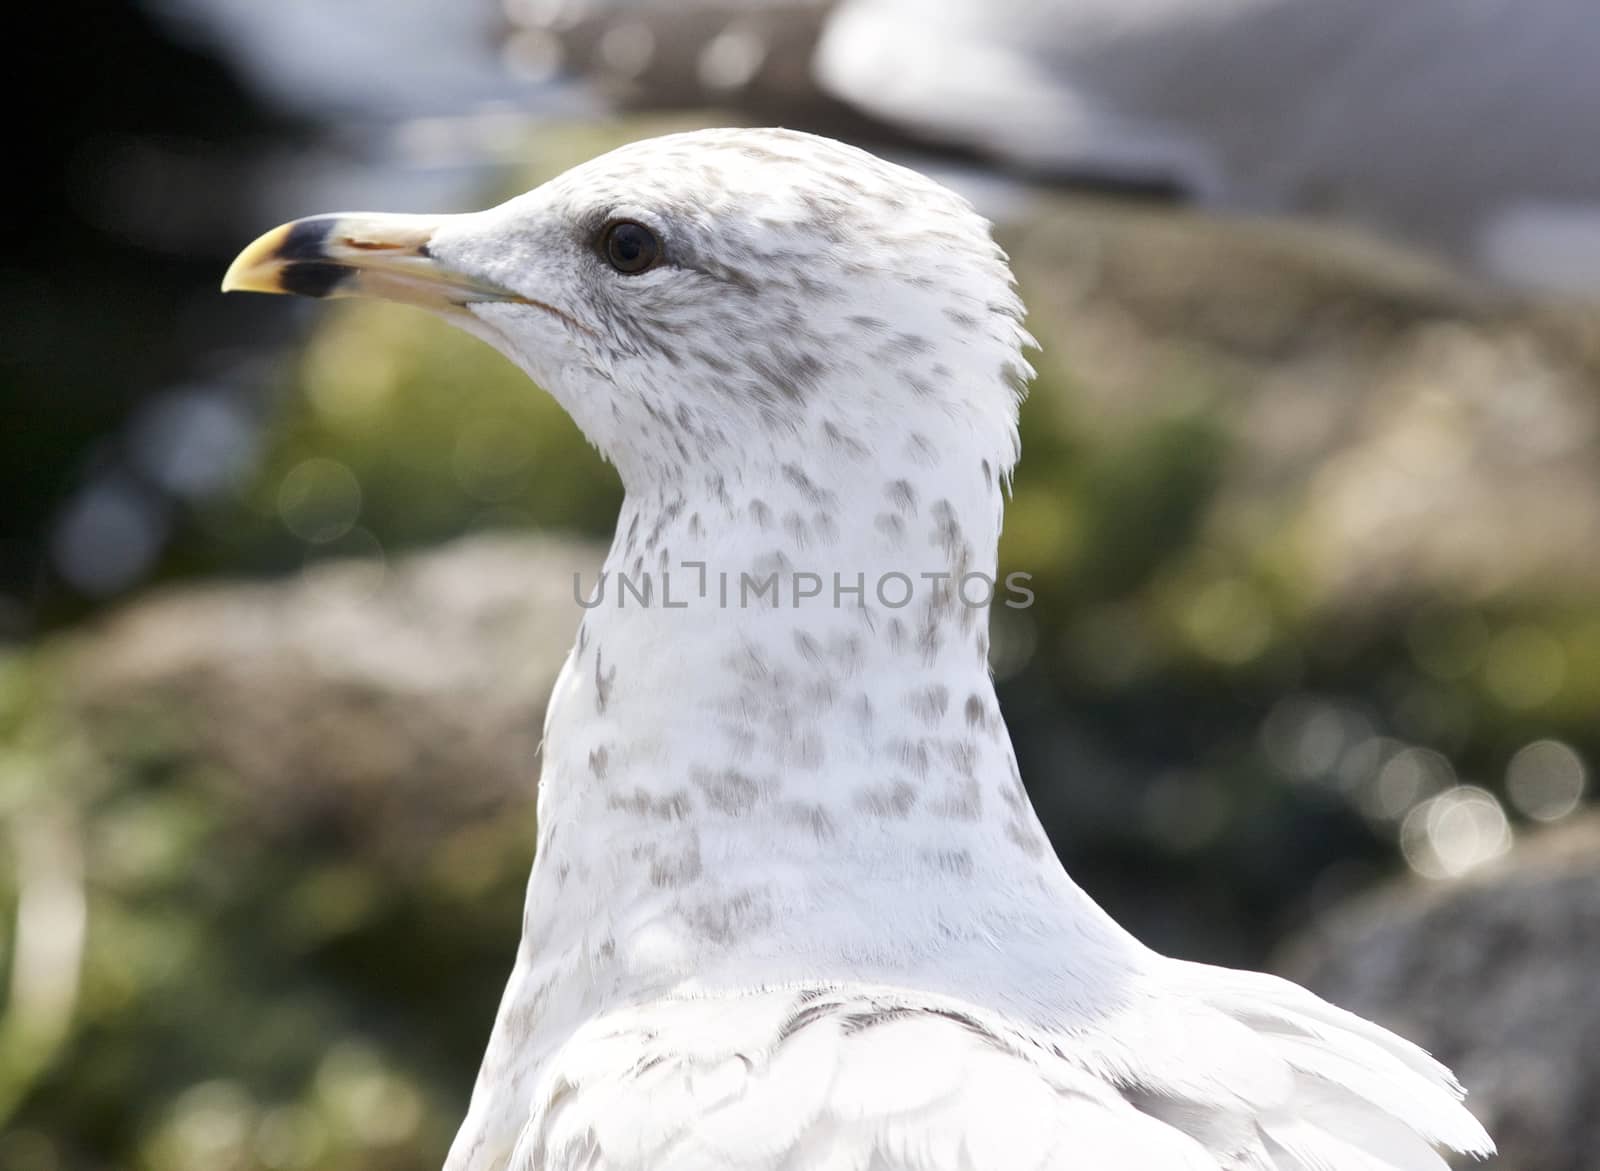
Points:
305	810
1495	975
386	704
1395	430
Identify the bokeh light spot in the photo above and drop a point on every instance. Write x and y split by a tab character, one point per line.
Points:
1311	739
109	537
289	1138
348	380
1458	831
319	500
1545	780
732	58
193	442
1229	621
1408	777
209	1127
627	48
532	55
378	1107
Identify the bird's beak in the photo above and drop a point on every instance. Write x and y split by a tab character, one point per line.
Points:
359	255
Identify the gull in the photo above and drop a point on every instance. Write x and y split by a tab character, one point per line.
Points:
1454	127
791	908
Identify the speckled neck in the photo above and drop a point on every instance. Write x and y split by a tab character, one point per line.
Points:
737	796
731	774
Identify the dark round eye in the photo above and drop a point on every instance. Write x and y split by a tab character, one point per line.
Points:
629	247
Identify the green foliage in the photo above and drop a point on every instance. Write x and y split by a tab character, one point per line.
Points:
398	431
249	994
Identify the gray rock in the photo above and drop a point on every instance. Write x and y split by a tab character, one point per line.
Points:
389	702
1395	431
1497	976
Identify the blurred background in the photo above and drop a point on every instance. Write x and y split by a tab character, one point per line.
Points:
1310	496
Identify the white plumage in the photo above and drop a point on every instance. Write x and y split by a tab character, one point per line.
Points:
1207	1073
791	908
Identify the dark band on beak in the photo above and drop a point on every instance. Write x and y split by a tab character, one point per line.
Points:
313	279
296	258
307	239
367	255
307	272
378	255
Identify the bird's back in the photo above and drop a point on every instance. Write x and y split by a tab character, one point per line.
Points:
1202	1068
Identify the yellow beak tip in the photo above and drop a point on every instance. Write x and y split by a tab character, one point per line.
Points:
259	267
236	280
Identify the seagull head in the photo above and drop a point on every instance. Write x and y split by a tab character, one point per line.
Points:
719	298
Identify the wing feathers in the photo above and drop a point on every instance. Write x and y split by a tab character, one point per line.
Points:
1205	1073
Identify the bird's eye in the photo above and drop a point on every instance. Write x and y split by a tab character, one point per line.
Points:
629	247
